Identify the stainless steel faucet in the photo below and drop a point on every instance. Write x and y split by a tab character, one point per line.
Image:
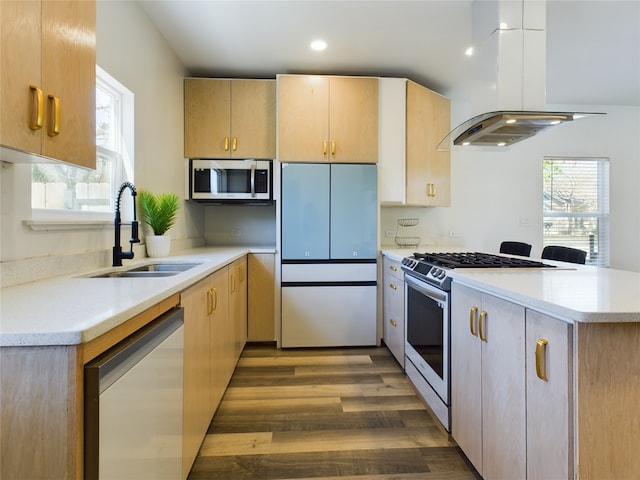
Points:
118	254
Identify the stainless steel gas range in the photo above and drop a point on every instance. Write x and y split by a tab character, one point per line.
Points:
428	319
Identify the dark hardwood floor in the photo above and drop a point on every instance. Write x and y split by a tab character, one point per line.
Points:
325	414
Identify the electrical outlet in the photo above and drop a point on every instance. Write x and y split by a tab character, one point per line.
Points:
389	233
453	234
235	232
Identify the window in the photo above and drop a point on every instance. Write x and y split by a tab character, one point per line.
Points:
61	189
576	206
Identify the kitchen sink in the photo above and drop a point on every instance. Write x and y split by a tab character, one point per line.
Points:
164	267
132	274
151	270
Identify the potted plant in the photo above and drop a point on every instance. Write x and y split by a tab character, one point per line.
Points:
159	212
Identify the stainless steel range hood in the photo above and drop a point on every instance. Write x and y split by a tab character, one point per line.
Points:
508	70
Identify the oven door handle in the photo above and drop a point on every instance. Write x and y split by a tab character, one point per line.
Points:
424	288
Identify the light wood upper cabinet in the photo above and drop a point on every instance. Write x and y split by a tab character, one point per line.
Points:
327	119
413	121
48	79
229	118
488	382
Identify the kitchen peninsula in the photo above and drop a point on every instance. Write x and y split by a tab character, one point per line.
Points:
545	368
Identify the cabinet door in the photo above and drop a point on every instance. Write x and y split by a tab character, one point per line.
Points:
207	117
305	211
549	396
69	74
428	170
253	118
503	390
392	169
393	309
20	30
354	211
39	52
221	337
197	375
260	326
303	118
466	373
238	306
353	119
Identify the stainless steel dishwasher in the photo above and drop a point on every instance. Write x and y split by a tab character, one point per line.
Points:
133	405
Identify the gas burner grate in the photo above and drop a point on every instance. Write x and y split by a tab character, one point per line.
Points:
477	260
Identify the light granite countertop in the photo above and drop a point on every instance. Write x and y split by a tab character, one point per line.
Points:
570	292
75	309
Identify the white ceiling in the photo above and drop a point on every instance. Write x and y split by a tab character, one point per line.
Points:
593	46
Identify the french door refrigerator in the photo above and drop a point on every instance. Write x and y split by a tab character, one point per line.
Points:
329	231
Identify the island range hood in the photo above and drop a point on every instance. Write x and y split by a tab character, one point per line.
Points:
508	69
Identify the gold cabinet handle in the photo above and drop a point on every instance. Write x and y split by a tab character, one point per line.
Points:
234	146
324	147
431	189
393	286
393	268
226	144
541	359
393	322
481	325
472	317
38	108
54	128
209	302
242	275
333	147
233	283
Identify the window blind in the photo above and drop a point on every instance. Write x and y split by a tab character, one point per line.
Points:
576	205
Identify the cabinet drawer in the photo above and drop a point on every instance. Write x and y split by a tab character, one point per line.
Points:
392	267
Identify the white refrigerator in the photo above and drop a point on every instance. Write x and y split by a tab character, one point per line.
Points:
329	231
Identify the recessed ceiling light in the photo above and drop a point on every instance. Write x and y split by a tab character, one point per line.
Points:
318	45
501	144
554	122
511	120
469	52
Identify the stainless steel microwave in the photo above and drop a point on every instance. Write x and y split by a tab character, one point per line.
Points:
230	181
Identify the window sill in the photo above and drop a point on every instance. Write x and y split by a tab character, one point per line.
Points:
53	225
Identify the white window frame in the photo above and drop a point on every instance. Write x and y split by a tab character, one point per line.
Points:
601	214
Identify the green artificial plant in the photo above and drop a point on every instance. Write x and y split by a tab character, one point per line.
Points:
158	211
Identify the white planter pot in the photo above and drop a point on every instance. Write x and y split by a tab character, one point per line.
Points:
158	245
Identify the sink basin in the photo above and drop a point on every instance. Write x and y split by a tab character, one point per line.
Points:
164	267
151	270
134	274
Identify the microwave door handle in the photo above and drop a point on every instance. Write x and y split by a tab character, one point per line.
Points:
253	179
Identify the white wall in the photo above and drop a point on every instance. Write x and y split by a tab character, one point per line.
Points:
129	48
498	195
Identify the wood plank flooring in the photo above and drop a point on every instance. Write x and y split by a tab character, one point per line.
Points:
325	414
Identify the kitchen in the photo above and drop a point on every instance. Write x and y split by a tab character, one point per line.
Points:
152	71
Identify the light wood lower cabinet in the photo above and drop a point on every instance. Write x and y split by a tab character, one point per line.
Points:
215	334
488	382
238	305
393	308
260	303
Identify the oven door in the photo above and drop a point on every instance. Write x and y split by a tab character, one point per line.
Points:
427	333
